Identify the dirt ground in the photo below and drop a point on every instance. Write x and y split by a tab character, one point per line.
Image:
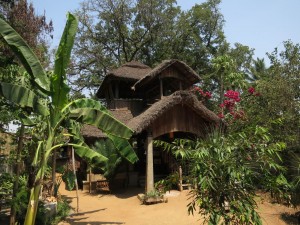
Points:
124	207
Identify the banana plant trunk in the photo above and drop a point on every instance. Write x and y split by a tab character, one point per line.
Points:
32	205
35	191
53	172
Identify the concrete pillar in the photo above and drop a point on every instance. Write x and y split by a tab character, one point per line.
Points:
149	170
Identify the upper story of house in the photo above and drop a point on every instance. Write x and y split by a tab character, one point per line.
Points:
135	86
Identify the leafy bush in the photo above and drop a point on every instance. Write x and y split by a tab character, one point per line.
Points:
153	194
62	212
69	178
168	183
225	169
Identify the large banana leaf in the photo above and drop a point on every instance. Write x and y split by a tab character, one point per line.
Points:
107	148
23	97
26	121
59	87
26	55
102	120
85	103
81	148
92	112
86	152
124	148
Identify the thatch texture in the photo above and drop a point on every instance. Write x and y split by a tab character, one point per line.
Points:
131	72
90	131
189	74
145	119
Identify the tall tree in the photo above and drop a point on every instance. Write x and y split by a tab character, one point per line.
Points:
112	32
36	31
279	89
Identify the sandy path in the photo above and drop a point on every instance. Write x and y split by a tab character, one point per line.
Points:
125	208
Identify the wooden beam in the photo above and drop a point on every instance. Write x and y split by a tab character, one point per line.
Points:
161	88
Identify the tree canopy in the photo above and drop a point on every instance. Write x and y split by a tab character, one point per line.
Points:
114	32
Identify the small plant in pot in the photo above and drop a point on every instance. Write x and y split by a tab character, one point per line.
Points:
152	197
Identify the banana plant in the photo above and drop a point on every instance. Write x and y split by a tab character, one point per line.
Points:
49	100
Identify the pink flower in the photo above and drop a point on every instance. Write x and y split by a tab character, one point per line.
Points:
234	95
208	94
251	90
221	115
200	92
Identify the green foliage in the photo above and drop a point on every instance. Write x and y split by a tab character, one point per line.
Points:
6	181
69	178
226	170
167	183
277	107
116	32
293	166
25	54
62	211
58	111
24	97
153	194
59	87
107	149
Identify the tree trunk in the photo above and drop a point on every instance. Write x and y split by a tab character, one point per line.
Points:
17	174
76	184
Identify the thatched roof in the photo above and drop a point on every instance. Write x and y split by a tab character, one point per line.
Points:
145	119
189	74
123	115
89	131
131	71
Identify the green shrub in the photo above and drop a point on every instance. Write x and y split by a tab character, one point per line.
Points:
62	211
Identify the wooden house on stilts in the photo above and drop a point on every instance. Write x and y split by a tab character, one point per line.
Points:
156	104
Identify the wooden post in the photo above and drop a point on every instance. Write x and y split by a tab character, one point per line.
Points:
76	184
149	171
90	180
161	88
180	179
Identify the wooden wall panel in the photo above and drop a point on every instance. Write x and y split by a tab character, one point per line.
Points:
179	118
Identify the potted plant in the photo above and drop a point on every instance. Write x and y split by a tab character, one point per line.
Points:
152	197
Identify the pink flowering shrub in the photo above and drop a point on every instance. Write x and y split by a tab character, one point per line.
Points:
231	109
201	94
